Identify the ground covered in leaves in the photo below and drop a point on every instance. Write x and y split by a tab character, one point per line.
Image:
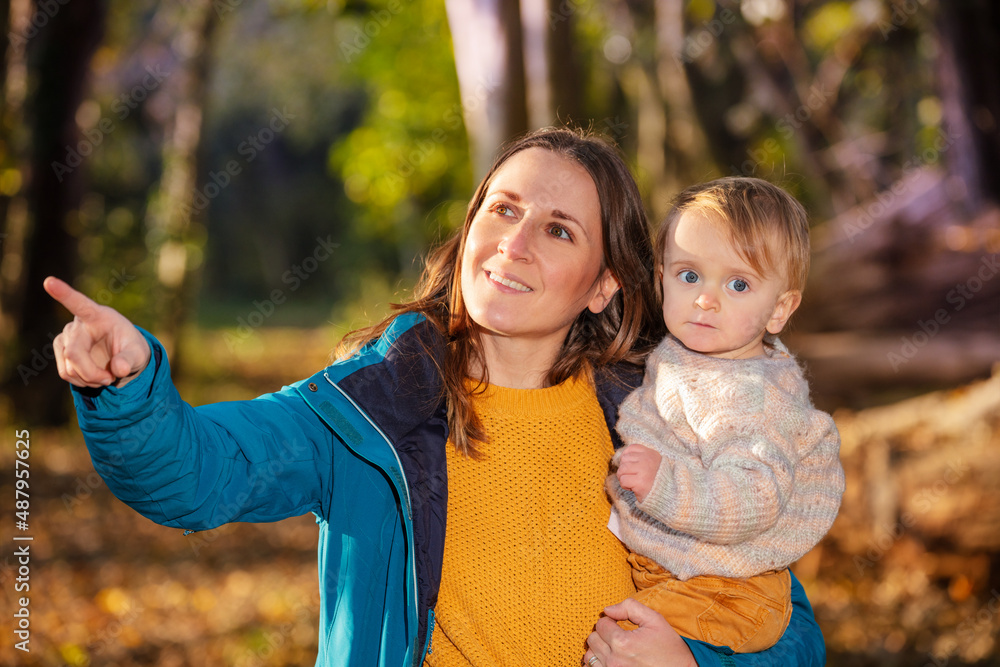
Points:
894	584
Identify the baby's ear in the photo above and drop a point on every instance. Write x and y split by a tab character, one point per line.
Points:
787	303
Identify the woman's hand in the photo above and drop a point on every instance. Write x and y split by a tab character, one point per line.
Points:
637	466
653	644
100	346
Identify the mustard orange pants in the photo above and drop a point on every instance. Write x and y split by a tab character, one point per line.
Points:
747	615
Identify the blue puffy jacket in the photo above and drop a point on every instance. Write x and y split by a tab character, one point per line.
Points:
360	444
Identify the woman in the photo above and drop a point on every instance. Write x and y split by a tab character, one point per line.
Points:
488	399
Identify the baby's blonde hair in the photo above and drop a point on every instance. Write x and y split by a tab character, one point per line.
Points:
767	226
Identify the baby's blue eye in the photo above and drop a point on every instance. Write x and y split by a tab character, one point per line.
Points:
738	285
688	276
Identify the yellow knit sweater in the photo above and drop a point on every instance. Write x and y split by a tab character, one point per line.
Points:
528	560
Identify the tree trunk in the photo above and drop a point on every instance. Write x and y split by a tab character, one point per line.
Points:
489	60
172	209
59	57
13	206
537	65
672	149
970	93
565	77
687	146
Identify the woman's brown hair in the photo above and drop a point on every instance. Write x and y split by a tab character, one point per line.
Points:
623	332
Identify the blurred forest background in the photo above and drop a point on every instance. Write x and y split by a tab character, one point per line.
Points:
249	179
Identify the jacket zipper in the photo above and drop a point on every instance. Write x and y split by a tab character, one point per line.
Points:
429	638
405	485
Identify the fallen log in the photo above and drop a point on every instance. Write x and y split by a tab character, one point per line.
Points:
923	468
847	369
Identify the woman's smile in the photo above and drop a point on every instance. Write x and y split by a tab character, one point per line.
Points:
508	282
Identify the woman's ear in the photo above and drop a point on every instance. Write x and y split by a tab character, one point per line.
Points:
783	309
607	285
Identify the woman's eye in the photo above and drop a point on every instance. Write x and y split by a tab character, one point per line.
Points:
560	232
738	285
688	276
503	209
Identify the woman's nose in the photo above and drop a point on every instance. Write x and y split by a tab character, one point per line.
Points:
515	243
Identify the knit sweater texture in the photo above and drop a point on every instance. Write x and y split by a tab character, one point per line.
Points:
750	478
528	562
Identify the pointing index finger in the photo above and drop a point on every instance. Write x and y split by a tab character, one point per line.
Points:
75	302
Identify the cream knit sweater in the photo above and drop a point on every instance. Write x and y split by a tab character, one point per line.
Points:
750	478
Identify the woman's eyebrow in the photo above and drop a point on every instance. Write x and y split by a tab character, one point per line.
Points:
556	213
513	196
562	215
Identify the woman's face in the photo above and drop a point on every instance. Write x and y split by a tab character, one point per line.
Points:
533	254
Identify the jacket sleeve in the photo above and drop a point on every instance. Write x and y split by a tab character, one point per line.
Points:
802	644
197	468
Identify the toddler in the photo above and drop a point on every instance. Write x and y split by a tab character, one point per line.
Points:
728	474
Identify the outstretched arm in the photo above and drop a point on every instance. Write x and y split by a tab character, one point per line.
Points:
181	466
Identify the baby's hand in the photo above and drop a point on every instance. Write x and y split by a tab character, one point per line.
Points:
637	466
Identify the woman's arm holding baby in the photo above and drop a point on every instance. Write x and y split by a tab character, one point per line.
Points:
655	644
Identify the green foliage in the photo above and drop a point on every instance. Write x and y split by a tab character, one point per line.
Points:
410	153
375	157
827	24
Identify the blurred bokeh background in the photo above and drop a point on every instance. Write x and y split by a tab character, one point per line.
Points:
250	179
